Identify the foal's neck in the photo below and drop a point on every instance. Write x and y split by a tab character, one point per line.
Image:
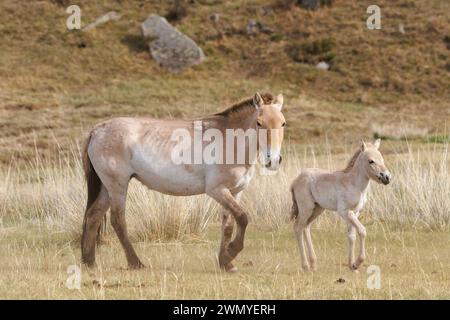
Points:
358	175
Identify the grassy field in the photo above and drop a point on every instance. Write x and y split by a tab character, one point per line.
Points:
408	224
414	265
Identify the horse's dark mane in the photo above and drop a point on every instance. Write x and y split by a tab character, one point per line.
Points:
352	161
245	105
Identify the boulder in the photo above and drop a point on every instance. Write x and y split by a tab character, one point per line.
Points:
173	50
314	4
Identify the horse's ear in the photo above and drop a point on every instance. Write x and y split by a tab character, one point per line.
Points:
257	100
377	143
278	102
363	146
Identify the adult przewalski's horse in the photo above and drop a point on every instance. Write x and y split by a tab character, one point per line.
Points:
124	148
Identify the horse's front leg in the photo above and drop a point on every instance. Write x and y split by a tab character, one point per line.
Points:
229	250
353	220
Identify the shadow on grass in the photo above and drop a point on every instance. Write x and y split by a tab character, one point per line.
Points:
135	43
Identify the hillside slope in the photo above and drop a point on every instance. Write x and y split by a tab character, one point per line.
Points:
55	83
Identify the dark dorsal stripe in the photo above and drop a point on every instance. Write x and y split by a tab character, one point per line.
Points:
245	105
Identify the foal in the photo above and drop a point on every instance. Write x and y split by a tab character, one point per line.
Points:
343	191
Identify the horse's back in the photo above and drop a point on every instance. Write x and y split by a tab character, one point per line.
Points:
317	185
122	148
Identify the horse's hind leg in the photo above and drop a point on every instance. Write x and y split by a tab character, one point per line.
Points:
119	225
92	221
305	207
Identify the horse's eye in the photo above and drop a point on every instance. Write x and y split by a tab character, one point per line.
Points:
284	123
258	124
371	162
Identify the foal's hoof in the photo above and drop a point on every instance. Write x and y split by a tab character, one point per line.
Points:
306	269
354	268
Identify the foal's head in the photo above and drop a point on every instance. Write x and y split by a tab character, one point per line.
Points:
272	120
373	162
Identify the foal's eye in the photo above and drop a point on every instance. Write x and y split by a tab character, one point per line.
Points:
371	162
258	124
284	123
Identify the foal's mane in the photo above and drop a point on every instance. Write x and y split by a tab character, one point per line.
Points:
352	161
244	105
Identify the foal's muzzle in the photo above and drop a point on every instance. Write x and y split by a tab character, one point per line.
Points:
274	164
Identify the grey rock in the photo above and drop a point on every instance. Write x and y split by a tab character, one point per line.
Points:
310	4
314	4
173	50
323	65
110	16
253	27
215	17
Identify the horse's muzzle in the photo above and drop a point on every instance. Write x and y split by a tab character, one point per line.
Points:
385	178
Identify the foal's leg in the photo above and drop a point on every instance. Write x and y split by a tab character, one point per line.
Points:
226	199
307	236
351	235
299	227
93	219
118	222
352	218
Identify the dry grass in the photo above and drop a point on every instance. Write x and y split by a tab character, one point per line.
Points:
408	234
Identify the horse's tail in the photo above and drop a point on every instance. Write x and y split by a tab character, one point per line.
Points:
94	185
294	210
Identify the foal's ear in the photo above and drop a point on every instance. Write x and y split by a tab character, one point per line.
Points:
377	143
363	146
278	102
257	100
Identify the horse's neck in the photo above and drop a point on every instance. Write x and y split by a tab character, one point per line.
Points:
358	176
244	121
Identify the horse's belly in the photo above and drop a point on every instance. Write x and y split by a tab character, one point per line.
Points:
164	176
326	200
177	182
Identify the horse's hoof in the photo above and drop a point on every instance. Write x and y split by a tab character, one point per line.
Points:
233	270
136	266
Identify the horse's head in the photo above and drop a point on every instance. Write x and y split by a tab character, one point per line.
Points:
373	162
271	119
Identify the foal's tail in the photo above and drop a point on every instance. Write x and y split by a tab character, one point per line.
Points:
94	185
294	210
